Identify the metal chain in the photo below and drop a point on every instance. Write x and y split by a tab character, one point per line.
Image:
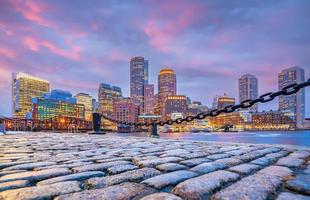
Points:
264	98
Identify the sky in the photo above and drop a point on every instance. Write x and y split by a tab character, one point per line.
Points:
78	44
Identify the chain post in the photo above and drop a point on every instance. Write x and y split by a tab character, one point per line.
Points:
154	133
97	124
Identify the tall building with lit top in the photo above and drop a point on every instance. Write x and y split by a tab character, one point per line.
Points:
248	89
224	101
24	88
87	101
294	103
167	86
138	77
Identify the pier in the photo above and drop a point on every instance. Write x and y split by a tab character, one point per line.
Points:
81	166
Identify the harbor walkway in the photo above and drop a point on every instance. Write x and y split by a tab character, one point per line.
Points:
80	166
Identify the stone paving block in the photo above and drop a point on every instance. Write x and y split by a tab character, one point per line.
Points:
155	162
300	154
35	175
228	161
208	167
121	168
255	187
9	164
292	196
13	185
175	152
264	161
218	156
41	192
29	166
168	179
279	171
202	187
194	162
99	166
290	161
170	167
72	177
198	154
244	168
300	184
124	191
161	196
137	175
10	172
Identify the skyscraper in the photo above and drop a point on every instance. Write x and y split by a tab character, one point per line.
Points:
24	88
248	89
137	80
167	86
149	99
87	101
146	72
294	102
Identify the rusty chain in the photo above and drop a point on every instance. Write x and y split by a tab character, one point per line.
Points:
264	98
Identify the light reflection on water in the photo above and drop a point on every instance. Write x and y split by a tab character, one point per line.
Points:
266	137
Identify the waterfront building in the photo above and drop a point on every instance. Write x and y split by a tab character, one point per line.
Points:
107	95
87	101
24	88
248	89
137	80
175	104
56	104
221	121
149	99
167	86
224	101
125	110
294	102
273	120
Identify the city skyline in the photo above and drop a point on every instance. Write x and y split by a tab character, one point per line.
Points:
77	53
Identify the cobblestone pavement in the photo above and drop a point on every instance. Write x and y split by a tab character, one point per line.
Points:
79	166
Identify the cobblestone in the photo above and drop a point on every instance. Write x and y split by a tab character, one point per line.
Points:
81	166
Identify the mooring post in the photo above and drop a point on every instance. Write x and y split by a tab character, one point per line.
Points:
154	133
97	124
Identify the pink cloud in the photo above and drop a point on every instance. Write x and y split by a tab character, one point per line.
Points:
7	52
116	55
33	11
36	44
163	31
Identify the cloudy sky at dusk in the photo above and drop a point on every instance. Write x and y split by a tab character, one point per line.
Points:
78	44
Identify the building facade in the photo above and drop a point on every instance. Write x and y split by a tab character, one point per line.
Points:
248	89
273	120
138	78
175	104
167	86
56	104
149	99
24	88
107	95
294	103
87	101
224	101
125	110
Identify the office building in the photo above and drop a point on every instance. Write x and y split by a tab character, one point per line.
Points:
224	101
87	101
56	104
248	89
175	104
294	103
24	88
137	80
149	99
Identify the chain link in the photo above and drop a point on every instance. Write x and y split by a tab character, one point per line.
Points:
264	98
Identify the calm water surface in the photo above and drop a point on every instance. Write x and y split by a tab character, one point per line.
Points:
267	137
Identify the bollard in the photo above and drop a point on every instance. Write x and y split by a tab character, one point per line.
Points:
154	133
96	124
